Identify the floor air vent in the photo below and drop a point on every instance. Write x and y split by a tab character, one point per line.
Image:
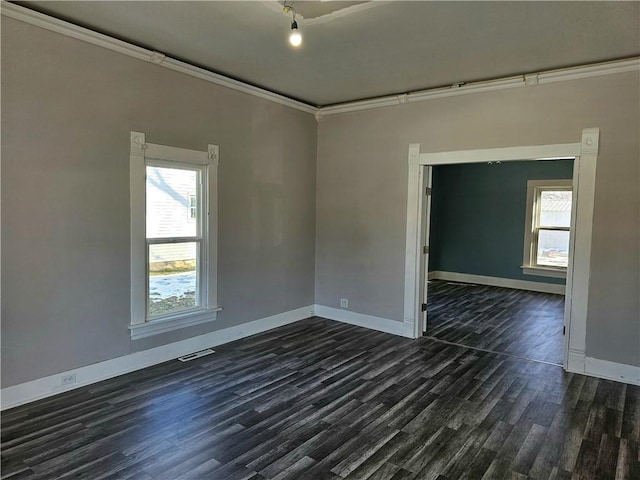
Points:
194	355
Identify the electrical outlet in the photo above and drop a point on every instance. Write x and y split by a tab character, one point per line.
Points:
68	379
344	303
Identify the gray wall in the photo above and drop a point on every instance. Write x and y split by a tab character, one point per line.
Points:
67	109
478	216
362	192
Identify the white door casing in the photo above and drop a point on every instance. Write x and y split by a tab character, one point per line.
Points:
578	272
425	218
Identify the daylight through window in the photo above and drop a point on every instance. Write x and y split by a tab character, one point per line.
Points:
552	228
548	226
173	237
174	244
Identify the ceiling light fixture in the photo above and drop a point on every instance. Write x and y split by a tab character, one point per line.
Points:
295	36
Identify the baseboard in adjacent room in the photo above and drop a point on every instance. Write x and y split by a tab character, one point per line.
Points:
51	385
362	320
498	282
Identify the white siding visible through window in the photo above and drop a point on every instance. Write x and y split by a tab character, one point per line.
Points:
176	271
170	190
193	207
547	227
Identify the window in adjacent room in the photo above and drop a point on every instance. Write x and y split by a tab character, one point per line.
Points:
548	226
173	237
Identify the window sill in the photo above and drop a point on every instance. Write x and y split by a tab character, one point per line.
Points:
545	271
156	327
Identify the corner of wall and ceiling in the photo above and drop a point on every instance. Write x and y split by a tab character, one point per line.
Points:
527	80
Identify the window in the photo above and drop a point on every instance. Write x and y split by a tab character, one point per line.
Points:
173	237
193	212
548	225
174	245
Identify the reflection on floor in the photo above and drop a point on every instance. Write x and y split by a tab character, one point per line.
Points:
518	322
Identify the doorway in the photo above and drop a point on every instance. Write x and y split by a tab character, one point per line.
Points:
479	222
577	282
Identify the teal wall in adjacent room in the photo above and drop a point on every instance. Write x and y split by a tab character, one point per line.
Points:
478	216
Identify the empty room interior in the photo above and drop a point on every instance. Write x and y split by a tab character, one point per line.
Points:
378	240
478	293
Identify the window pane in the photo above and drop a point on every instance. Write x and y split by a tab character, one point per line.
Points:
168	205
555	208
553	248
193	207
173	278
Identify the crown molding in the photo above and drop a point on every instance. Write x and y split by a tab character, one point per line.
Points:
84	34
158	58
528	80
589	71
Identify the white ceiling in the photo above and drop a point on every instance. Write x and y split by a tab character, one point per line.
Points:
357	50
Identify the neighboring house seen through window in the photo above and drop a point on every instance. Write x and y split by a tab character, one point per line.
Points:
193	207
547	229
174	244
173	248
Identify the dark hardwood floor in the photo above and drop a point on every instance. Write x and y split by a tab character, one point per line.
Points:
323	400
518	322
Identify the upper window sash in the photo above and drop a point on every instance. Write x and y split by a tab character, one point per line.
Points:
202	188
538	205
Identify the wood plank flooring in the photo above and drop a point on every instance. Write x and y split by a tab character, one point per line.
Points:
518	322
322	400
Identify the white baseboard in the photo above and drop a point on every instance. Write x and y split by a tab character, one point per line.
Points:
48	386
619	372
575	362
498	282
409	331
594	367
362	320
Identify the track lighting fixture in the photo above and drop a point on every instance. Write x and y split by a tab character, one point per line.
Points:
295	36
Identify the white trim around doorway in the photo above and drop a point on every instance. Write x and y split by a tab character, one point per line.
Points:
577	285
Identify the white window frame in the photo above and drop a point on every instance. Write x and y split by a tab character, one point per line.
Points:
531	230
141	155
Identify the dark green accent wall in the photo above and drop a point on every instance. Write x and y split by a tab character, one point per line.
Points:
478	214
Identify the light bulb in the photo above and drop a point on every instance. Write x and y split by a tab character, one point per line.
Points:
295	37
